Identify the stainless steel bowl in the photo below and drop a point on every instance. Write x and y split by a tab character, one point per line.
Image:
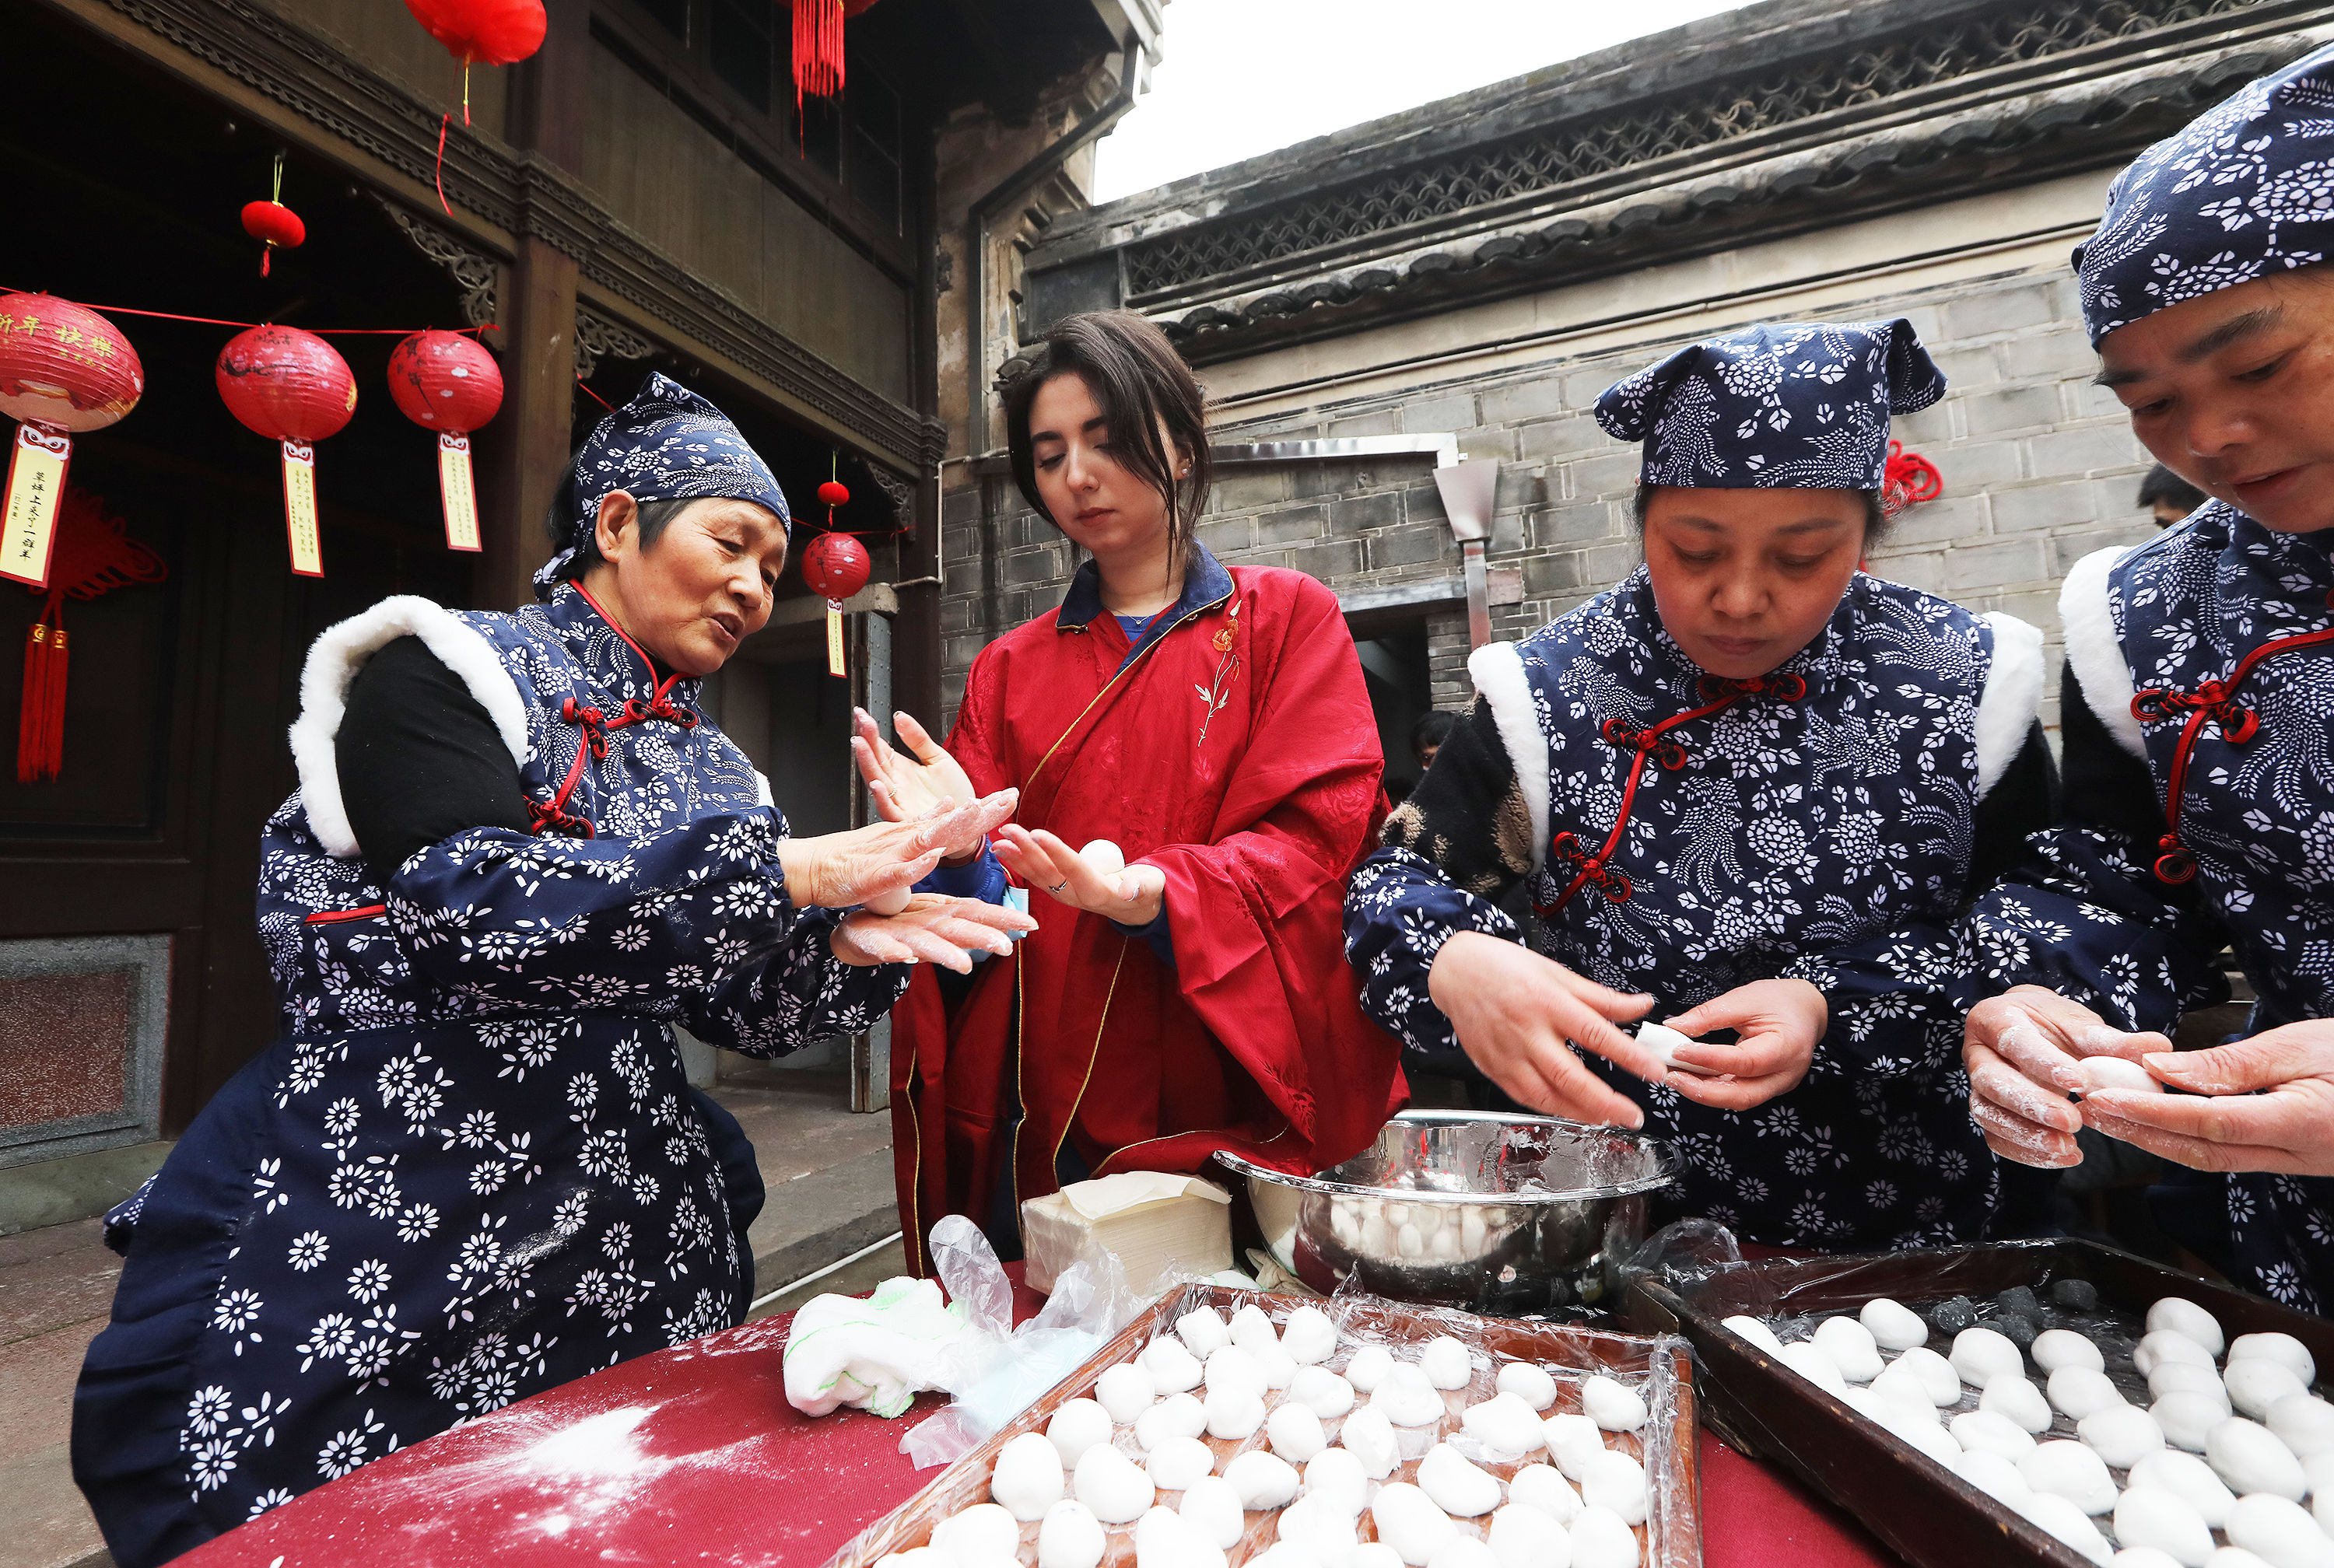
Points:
1503	1215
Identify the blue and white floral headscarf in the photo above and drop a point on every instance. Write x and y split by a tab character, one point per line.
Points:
2246	191
668	444
1801	406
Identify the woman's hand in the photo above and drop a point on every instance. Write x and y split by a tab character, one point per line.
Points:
1515	1012
904	791
2020	1050
1133	896
2223	1124
1776	1024
878	863
933	928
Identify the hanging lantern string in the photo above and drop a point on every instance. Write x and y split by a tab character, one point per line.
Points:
594	396
223	321
276	188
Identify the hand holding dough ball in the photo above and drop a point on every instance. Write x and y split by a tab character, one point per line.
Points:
2100	1073
1076	1426
1177	1462
1070	1537
1446	1362
1664	1042
1107	859
1310	1337
1321	1390
1529	1384
1027	1478
1110	1483
1459	1488
1851	1348
1893	1325
1505	1424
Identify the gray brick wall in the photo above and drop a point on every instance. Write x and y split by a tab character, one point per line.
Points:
2039	468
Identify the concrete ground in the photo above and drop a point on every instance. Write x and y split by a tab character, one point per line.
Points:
829	1177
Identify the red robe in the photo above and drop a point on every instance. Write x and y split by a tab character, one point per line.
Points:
1240	755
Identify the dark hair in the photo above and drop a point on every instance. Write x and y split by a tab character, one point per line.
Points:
1141	383
1877	517
1432	728
652	517
2163	484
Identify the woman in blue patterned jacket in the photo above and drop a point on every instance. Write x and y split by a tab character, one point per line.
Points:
1748	789
472	1167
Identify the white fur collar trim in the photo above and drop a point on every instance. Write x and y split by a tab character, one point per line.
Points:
2095	652
333	664
2013	697
1498	671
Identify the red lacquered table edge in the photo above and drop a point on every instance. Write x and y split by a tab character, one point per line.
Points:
692	1455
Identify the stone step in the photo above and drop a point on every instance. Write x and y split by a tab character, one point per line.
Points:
821	1217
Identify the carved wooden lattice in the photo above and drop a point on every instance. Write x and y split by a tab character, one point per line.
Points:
1554	156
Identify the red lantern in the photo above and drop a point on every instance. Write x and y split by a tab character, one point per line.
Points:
64	372
837	566
818	47
446	382
272	224
291	386
484	32
834	492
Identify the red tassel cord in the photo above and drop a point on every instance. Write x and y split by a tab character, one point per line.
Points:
41	730
1908	479
93	555
819	51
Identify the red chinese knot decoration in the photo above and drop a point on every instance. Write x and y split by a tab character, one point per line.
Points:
64	372
818	47
93	555
835	566
446	382
1908	479
295	389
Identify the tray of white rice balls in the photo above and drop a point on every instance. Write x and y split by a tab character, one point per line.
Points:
2032	1402
1226	1427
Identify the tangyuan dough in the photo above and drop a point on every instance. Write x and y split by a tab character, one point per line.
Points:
2073	1472
1165	1539
1335	1480
1321	1390
1212	1507
1325	1535
1125	1390
1990	1473
2123	1435
1177	1462
2162	1345
1981	1354
1408	1521
2055	1516
1612	1479
2280	1532
2143	1557
2187	1377
1409	1397
1992	1432
2056	1348
1522	1536
1457	1487
1370	1437
1076	1426
1616	1408
1904	1386
984	1533
1529	1384
1234	1414
2186	1418
2256	1384
1376	1554
2115	1072
1505	1424
1278	1367
2078	1391
1173	1369
1027	1477
1893	1325
1446	1362
1252	1331
1202	1331
2190	1479
1232	1367
1665	1042
1295	1432
1369	1367
1263	1480
2304	1423
1571	1441
1463	1552
2283	1348
1070	1537
2157	1517
1936	1375
2011	1396
1176	1415
1310	1337
2183	1316
1809	1361
1917	1425
2253	1459
1851	1348
1603	1539
1540	1486
1112	1486
1757	1333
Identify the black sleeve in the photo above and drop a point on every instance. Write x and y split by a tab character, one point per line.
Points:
419	758
2024	800
2107	787
1467	814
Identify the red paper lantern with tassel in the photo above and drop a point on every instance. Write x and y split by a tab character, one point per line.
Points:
818	47
478	33
93	555
835	566
64	372
446	382
272	223
295	389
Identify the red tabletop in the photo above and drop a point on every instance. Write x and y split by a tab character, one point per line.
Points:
693	1456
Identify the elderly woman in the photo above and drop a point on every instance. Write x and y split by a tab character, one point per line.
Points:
472	1167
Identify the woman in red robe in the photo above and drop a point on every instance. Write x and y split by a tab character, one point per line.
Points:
1211	725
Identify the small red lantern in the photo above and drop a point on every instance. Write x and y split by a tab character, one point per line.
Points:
295	389
446	382
64	372
834	492
272	224
478	33
835	566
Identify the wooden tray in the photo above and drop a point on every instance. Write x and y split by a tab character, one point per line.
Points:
1930	1516
1671	1536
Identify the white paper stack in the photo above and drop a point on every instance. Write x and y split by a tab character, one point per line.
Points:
1157	1224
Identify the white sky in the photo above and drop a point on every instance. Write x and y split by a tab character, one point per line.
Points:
1243	77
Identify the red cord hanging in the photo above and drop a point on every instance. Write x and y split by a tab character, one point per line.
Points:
478	33
818	47
93	555
1908	479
